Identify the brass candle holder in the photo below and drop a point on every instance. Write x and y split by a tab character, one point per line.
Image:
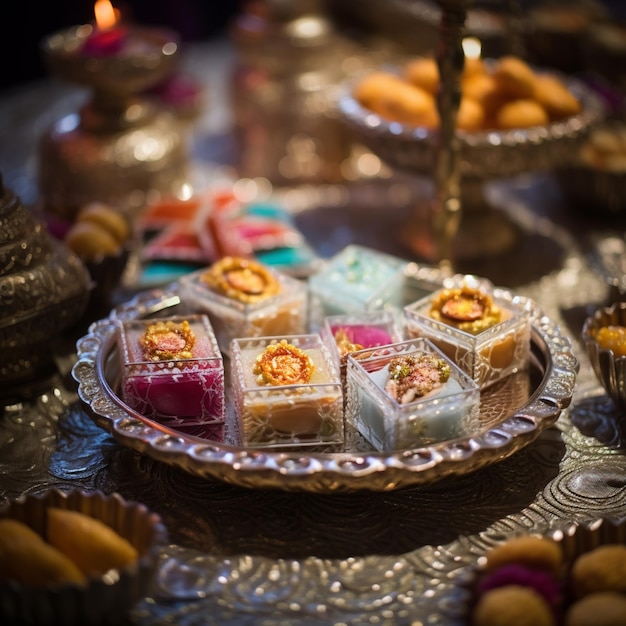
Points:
446	216
119	146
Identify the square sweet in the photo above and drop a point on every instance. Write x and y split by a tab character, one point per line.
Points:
172	371
486	336
356	332
287	392
408	395
244	298
357	279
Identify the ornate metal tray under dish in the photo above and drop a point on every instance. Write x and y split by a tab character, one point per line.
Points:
513	414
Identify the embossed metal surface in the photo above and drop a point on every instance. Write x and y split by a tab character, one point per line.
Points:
44	289
268	557
522	409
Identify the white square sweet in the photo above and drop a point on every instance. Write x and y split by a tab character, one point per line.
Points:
287	392
408	395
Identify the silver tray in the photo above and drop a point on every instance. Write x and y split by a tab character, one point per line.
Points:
513	414
483	154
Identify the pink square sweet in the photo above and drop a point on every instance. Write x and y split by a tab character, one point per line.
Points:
173	373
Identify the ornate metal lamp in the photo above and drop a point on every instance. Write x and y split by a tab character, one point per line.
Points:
119	146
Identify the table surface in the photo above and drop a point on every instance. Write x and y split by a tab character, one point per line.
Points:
254	556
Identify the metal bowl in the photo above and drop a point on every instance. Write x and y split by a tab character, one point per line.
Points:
483	154
609	368
104	599
596	181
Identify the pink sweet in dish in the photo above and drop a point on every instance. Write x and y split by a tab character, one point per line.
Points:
359	336
172	372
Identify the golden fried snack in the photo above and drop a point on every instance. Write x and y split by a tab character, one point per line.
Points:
106	217
536	552
514	77
608	141
600	569
598	609
508	93
91	544
555	97
470	116
512	605
522	113
402	102
423	72
374	86
428	118
479	87
27	559
90	241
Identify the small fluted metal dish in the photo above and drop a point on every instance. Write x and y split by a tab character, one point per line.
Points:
575	539
106	274
483	154
512	417
609	368
104	599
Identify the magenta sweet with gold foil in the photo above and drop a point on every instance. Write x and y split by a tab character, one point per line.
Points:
173	372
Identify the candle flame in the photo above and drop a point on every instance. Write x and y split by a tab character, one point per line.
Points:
106	15
471	47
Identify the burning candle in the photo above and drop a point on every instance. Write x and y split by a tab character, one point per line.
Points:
472	50
109	37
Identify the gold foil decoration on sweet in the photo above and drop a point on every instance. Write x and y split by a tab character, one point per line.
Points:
244	280
165	341
467	309
283	364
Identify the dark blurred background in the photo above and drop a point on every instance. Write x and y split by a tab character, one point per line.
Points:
24	23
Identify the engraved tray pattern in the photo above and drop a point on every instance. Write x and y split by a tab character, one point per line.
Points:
507	430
